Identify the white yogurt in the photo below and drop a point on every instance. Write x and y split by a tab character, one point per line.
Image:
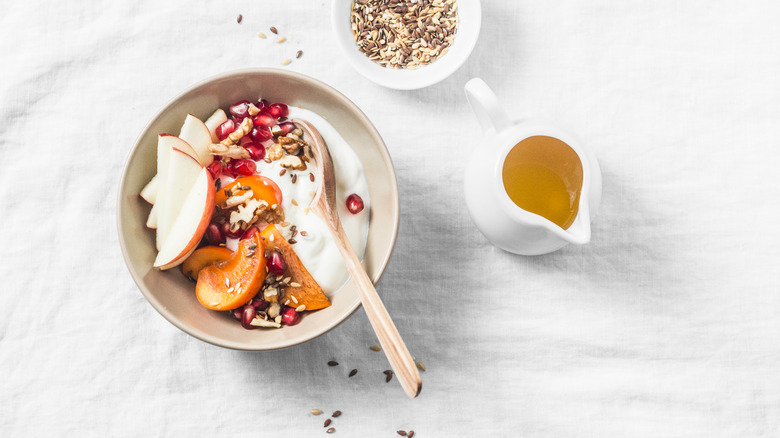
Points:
317	250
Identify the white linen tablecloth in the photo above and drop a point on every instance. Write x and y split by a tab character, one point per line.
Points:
666	325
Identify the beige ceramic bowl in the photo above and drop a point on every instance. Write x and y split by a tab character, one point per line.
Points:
170	292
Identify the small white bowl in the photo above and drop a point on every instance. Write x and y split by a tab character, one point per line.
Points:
469	22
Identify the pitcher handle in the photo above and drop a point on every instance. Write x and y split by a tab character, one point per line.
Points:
486	106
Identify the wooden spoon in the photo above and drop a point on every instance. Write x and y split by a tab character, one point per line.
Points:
324	205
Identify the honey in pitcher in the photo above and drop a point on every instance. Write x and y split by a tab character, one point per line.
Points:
543	175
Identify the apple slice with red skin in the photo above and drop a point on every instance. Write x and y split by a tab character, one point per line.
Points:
197	135
149	192
183	168
151	221
190	224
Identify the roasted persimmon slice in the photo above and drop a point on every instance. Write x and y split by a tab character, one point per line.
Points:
308	293
231	284
203	257
261	187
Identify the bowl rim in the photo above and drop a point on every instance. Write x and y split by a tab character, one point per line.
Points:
137	277
412	79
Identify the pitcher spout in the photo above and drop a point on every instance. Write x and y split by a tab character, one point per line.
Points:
579	231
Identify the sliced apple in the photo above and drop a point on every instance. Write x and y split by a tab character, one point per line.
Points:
151	221
198	135
190	224
212	123
149	192
181	173
165	144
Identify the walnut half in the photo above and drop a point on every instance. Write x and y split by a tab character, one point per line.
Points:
292	162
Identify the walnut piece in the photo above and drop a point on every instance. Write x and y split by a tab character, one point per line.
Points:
242	130
260	322
237	200
273	310
275	152
253	110
292	162
245	215
229	151
273	215
271	294
290	143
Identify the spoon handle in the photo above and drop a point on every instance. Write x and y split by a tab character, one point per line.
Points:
392	344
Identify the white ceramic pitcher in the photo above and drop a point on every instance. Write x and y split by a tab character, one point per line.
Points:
506	225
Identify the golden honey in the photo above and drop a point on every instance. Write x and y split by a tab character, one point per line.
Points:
543	175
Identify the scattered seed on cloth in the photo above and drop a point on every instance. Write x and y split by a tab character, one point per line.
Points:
336	414
239	18
332	363
353	372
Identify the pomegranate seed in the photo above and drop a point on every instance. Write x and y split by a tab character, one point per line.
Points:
226	129
215	169
238	313
287	127
249	232
262	103
247	317
240	109
290	316
243	167
263	119
245	140
225	228
275	263
279	110
260	304
259	133
354	203
214	234
256	151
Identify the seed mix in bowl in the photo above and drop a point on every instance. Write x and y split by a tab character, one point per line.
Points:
404	33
